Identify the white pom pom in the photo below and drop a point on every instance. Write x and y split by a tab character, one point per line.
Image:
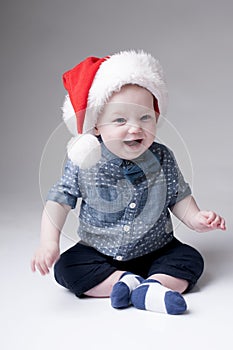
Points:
84	150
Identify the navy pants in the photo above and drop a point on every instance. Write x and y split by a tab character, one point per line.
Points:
81	267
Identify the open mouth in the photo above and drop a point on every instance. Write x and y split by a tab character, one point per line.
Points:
133	142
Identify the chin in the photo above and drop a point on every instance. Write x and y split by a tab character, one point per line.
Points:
132	155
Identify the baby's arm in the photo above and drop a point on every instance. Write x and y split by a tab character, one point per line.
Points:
188	212
53	219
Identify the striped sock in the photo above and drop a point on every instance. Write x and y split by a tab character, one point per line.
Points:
121	292
151	295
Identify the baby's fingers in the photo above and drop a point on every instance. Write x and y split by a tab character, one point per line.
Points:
40	265
211	217
222	225
33	267
216	221
43	268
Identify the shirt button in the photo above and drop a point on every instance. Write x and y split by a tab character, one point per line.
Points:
119	257
132	205
126	228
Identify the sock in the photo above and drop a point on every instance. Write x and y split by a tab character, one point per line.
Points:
121	292
151	295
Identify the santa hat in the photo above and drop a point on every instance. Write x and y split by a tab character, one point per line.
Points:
91	83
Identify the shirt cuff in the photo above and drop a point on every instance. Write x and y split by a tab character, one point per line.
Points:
62	199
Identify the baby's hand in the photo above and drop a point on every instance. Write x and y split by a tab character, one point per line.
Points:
205	221
45	257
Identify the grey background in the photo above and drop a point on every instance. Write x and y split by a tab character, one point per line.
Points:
42	39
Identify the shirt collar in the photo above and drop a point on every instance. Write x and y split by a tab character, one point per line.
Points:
109	156
147	159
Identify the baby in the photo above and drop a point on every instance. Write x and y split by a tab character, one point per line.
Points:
129	185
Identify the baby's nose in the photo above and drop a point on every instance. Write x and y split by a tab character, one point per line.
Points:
135	128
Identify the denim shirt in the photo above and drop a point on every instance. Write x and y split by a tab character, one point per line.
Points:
125	208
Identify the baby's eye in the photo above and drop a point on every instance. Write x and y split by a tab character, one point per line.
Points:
146	117
120	120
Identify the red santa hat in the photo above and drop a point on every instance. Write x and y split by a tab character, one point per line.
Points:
91	83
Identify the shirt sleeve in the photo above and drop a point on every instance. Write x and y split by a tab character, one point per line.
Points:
180	188
66	190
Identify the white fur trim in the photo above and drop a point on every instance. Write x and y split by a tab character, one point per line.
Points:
126	67
84	150
69	116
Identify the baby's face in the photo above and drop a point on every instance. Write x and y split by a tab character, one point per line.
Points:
127	124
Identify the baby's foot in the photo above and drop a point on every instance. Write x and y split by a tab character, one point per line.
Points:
121	292
151	295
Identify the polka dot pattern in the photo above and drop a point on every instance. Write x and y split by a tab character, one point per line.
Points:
125	204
